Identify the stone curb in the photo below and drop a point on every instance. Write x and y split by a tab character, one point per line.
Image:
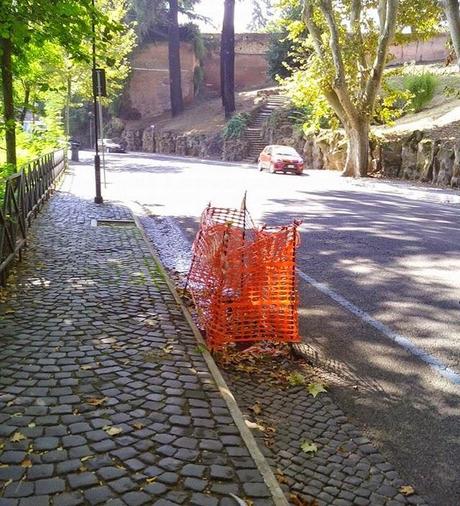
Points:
261	462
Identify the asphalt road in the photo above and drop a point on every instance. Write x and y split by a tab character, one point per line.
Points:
379	276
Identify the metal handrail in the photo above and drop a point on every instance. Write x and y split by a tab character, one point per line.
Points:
25	192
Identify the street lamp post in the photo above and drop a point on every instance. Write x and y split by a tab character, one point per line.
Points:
97	160
90	116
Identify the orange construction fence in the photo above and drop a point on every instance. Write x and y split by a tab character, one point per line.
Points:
242	279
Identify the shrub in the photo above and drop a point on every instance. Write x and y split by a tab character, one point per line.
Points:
198	78
236	126
422	87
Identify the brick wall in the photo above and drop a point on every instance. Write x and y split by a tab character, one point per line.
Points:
250	63
147	93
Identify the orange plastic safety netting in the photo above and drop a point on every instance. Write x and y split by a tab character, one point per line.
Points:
242	279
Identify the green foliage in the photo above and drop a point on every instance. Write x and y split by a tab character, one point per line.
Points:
236	126
296	379
6	170
198	78
151	19
262	10
307	96
281	55
52	46
313	83
422	87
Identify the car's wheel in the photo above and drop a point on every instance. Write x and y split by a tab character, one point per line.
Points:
272	168
260	167
299	173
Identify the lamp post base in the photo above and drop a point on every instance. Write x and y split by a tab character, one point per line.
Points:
97	172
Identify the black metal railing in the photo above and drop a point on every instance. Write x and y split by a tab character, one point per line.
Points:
25	192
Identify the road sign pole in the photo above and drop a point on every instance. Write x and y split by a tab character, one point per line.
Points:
97	160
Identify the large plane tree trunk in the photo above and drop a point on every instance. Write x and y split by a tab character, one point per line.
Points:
227	58
175	78
357	163
353	110
8	100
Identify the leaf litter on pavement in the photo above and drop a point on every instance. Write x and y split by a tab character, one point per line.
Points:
270	364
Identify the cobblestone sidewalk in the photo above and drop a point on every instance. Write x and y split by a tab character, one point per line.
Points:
347	470
104	396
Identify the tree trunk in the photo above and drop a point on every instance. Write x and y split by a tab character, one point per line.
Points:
8	100
451	9
175	79
67	106
228	58
357	163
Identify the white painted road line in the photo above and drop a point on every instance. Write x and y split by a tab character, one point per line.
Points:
403	341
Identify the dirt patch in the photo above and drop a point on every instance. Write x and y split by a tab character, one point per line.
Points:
205	115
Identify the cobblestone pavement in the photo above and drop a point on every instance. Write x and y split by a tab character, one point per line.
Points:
104	396
345	471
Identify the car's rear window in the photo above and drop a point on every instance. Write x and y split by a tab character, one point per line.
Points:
286	152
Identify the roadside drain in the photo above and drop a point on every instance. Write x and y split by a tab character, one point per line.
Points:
114	223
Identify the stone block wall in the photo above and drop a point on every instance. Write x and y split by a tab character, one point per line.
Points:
208	146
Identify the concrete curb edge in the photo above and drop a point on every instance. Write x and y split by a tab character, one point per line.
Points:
261	462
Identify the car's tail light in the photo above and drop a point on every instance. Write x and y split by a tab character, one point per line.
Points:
279	165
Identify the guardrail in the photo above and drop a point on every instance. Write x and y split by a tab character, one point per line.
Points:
25	192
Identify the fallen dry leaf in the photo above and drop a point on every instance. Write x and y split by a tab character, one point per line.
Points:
96	402
300	501
112	431
256	409
16	437
138	425
253	425
308	446
315	389
280	477
26	463
238	500
407	490
151	480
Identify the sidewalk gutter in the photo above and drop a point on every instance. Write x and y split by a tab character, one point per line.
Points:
261	462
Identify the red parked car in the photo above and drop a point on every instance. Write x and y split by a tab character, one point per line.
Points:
281	159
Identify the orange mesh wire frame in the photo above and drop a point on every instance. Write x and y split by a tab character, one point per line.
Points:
243	281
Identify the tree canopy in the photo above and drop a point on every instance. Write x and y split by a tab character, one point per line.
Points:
46	56
343	58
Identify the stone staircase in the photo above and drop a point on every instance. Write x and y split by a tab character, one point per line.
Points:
253	132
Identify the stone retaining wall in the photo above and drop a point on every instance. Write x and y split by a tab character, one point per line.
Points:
212	146
419	156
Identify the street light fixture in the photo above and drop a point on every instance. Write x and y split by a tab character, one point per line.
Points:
97	160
